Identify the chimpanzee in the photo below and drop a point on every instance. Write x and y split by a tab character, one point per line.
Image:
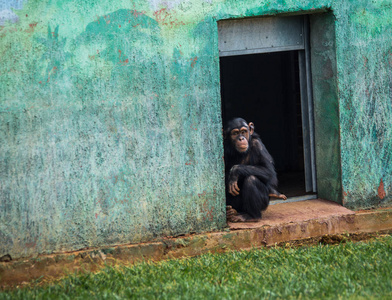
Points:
250	173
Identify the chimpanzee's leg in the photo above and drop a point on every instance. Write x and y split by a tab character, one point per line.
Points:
235	201
254	197
273	193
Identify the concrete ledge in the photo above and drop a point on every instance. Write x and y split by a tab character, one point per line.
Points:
281	223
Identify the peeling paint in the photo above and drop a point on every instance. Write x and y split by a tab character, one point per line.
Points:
381	191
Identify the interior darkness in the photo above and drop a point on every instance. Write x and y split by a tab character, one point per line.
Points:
264	89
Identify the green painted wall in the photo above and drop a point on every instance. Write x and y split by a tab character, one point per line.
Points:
364	54
110	121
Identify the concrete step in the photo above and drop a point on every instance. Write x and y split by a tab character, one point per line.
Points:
296	212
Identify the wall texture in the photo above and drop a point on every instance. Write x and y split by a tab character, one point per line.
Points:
110	121
364	53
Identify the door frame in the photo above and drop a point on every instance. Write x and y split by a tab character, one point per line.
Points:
277	34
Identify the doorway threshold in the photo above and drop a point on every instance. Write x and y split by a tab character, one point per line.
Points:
300	212
294	199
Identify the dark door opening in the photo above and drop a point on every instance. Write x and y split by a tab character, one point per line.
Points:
265	89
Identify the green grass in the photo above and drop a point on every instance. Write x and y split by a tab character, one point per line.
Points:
361	270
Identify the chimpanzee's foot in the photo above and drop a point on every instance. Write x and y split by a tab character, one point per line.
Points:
278	196
230	211
242	218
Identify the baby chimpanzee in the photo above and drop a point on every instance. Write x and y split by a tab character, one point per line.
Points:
250	173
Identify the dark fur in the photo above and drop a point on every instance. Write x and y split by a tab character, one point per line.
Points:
254	170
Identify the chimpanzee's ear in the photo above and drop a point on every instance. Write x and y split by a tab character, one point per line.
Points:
251	128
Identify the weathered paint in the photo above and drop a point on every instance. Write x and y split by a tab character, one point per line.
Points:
110	116
365	87
110	129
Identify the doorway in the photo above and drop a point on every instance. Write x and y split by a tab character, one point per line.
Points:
265	80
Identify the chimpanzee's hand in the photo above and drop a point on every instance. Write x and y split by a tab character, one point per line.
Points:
233	188
233	181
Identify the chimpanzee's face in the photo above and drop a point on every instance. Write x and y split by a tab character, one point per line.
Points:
240	134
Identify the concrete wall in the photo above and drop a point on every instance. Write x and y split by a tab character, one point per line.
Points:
110	121
364	53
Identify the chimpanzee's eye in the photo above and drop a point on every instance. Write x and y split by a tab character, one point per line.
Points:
244	131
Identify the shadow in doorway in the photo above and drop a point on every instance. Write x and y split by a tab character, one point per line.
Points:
265	89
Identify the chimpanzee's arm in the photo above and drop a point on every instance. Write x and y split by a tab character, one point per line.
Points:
262	173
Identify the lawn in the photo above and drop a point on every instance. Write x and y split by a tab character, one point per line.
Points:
360	270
